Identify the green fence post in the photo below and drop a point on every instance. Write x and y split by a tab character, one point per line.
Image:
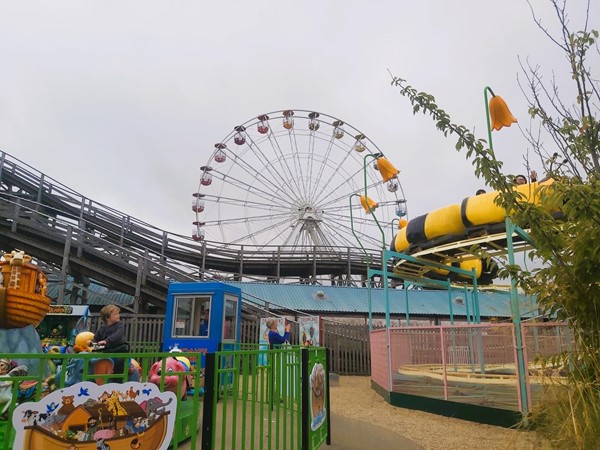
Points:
305	395
209	399
327	399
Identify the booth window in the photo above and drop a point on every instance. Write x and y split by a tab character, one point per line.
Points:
189	312
230	318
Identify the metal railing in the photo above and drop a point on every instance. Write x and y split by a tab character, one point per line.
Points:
53	220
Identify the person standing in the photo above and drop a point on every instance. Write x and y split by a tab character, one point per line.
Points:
204	323
274	338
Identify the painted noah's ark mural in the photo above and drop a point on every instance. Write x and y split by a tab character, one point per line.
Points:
87	416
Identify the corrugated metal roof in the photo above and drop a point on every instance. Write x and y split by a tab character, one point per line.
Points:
355	300
341	299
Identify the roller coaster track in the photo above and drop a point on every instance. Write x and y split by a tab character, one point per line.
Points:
493	245
74	235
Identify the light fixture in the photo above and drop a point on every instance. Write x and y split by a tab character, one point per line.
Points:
368	205
386	169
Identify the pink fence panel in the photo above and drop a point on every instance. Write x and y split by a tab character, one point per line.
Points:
462	363
540	342
379	358
467	363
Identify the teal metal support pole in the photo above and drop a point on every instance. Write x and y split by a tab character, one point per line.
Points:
476	310
452	331
451	310
468	299
368	263
466	294
369	300
386	291
367	197
516	317
487	116
406	303
395	219
375	156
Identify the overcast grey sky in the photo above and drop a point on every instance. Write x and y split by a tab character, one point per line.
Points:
124	100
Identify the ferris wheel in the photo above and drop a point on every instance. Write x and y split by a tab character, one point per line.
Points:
287	179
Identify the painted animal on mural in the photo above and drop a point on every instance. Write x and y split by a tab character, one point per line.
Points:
317	383
93	417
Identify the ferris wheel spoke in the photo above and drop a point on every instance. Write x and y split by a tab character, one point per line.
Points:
371	240
344	235
311	161
366	227
344	196
255	205
252	235
363	221
283	162
327	241
351	176
246	188
350	185
341	208
251	219
297	162
268	164
259	176
343	239
317	187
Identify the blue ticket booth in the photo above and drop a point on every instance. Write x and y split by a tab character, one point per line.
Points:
202	315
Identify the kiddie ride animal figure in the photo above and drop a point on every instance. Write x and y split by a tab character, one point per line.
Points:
172	364
8	369
84	343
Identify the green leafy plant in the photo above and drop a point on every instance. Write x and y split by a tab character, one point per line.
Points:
567	286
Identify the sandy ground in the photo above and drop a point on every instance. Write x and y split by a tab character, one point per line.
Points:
355	399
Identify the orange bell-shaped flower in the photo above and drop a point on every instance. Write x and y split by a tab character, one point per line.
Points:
386	169
500	115
368	204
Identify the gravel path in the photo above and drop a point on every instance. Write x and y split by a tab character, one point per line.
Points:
355	399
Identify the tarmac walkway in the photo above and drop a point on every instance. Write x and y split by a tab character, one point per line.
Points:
351	434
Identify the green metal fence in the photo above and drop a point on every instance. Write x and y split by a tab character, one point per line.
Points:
246	398
42	368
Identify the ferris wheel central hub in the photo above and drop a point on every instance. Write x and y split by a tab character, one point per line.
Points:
309	214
